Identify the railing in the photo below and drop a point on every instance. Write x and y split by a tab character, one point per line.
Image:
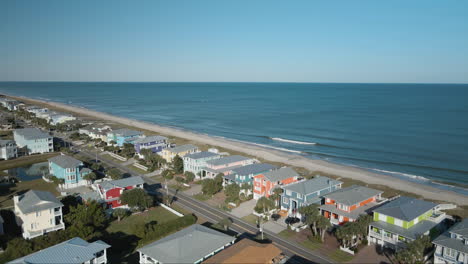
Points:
437	217
101	259
334	221
57	213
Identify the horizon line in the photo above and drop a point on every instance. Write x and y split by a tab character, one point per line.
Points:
454	83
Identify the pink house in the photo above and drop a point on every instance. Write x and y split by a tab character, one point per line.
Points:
224	165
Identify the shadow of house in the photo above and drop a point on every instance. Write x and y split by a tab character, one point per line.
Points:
123	247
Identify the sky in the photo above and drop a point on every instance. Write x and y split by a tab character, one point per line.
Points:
234	41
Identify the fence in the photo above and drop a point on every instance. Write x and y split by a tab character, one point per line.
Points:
138	165
117	156
171	210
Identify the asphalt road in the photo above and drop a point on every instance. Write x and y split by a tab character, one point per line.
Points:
297	253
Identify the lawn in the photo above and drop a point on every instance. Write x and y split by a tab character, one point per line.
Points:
340	256
126	225
109	157
201	197
6	199
137	170
24	161
287	233
312	245
251	218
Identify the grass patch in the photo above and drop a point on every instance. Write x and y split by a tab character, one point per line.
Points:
126	225
137	170
6	197
201	197
25	161
251	218
287	233
109	157
340	256
312	244
8	134
179	187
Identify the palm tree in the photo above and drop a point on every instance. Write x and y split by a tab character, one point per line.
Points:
44	170
323	224
311	215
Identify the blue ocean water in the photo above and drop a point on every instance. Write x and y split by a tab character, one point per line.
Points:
417	132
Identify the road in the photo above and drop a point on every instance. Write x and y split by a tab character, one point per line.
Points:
291	249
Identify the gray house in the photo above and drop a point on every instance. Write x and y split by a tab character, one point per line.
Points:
73	251
193	244
452	246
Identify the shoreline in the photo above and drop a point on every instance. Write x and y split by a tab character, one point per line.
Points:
270	154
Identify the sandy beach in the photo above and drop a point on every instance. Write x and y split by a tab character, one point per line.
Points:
272	155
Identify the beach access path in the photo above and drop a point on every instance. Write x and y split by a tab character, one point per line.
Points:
272	155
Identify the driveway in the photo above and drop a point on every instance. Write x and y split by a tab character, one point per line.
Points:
274	227
244	208
194	189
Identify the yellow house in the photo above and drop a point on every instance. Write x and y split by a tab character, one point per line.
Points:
169	153
38	212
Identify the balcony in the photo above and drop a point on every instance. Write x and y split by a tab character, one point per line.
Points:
437	217
391	239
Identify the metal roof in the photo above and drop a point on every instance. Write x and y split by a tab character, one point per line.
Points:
313	185
33	201
280	174
65	161
413	232
150	139
182	148
255	168
122	183
75	250
352	195
405	208
445	239
227	160
201	155
187	246
6	142
32	133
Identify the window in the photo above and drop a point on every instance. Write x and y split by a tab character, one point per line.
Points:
448	252
288	192
382	217
398	222
299	196
285	200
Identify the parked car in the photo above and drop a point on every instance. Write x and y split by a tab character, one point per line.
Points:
292	220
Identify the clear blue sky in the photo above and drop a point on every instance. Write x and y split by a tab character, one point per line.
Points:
298	41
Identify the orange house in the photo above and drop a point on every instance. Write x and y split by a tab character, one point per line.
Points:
266	182
346	205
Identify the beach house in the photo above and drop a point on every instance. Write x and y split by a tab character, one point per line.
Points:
110	191
123	135
96	131
33	140
347	204
193	244
154	143
402	220
452	246
169	153
303	193
195	162
245	174
37	213
224	165
55	118
10	104
71	170
36	110
73	251
8	149
265	183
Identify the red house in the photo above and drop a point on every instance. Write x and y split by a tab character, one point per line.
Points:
266	182
110	191
347	204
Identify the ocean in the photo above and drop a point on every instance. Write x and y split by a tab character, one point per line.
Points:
417	132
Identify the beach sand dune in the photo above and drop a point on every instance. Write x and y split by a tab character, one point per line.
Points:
272	155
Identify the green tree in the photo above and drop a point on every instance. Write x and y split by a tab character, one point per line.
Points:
114	174
86	221
189	176
210	187
264	205
113	142
137	198
414	251
180	179
90	176
311	215
75	136
226	223
128	150
275	196
178	165
232	192
96	167
167	174
323	224
120	213
146	153
44	170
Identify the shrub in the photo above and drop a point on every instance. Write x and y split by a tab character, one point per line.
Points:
179	179
154	232
189	176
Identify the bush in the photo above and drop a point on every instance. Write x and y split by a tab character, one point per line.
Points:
168	174
180	179
153	232
189	176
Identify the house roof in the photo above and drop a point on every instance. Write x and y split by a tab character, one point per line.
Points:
445	240
182	148
255	168
413	232
405	208
33	201
75	250
32	133
124	132
246	251
280	174
352	194
65	161
201	155
122	183
187	246
150	139
227	160
313	185
354	214
5	142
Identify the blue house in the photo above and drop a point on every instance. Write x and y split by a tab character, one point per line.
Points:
124	135
69	169
155	143
306	192
246	173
